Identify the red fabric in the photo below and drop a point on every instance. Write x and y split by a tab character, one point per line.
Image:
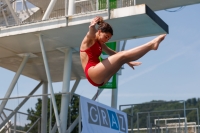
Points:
93	53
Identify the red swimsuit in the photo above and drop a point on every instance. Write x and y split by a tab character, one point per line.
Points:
93	53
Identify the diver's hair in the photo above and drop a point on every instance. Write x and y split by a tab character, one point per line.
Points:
104	27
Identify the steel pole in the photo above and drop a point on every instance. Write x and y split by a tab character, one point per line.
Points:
44	108
72	92
115	91
50	117
49	9
72	126
65	89
15	122
12	11
198	120
71	7
20	105
185	118
50	83
14	81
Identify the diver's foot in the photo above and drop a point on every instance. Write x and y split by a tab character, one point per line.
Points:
155	42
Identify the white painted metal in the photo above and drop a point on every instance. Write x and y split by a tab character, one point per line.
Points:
72	126
50	83
58	34
71	7
50	117
20	105
66	7
115	91
66	88
80	118
44	108
153	4
124	44
12	11
74	87
24	4
71	95
33	125
15	122
49	9
14	81
4	16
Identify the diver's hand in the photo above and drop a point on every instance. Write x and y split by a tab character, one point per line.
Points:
95	21
132	64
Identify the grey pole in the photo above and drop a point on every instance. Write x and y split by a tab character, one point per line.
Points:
198	120
15	122
71	7
114	95
50	83
185	118
138	123
65	89
19	106
50	117
79	128
149	121
179	124
14	81
115	91
12	11
108	6
74	87
72	92
131	119
72	126
49	9
44	108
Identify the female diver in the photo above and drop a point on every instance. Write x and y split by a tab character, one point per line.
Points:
98	73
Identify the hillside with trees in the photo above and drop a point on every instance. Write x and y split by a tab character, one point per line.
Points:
157	109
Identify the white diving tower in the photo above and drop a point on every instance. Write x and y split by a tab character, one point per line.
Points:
41	38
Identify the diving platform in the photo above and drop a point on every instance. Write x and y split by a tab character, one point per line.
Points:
41	40
128	23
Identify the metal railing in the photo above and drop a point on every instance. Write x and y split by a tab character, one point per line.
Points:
31	11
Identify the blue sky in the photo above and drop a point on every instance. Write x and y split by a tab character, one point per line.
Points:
170	73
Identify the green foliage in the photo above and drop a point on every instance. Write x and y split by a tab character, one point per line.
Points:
73	111
156	106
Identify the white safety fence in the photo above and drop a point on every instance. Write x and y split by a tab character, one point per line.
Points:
18	12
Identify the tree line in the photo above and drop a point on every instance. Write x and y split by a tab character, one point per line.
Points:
148	111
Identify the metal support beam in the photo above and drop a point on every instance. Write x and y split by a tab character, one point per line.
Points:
15	122
50	117
33	125
20	105
50	82
49	9
114	95
44	108
74	87
4	16
72	92
12	11
115	91
65	89
71	7
73	125
24	4
14	81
